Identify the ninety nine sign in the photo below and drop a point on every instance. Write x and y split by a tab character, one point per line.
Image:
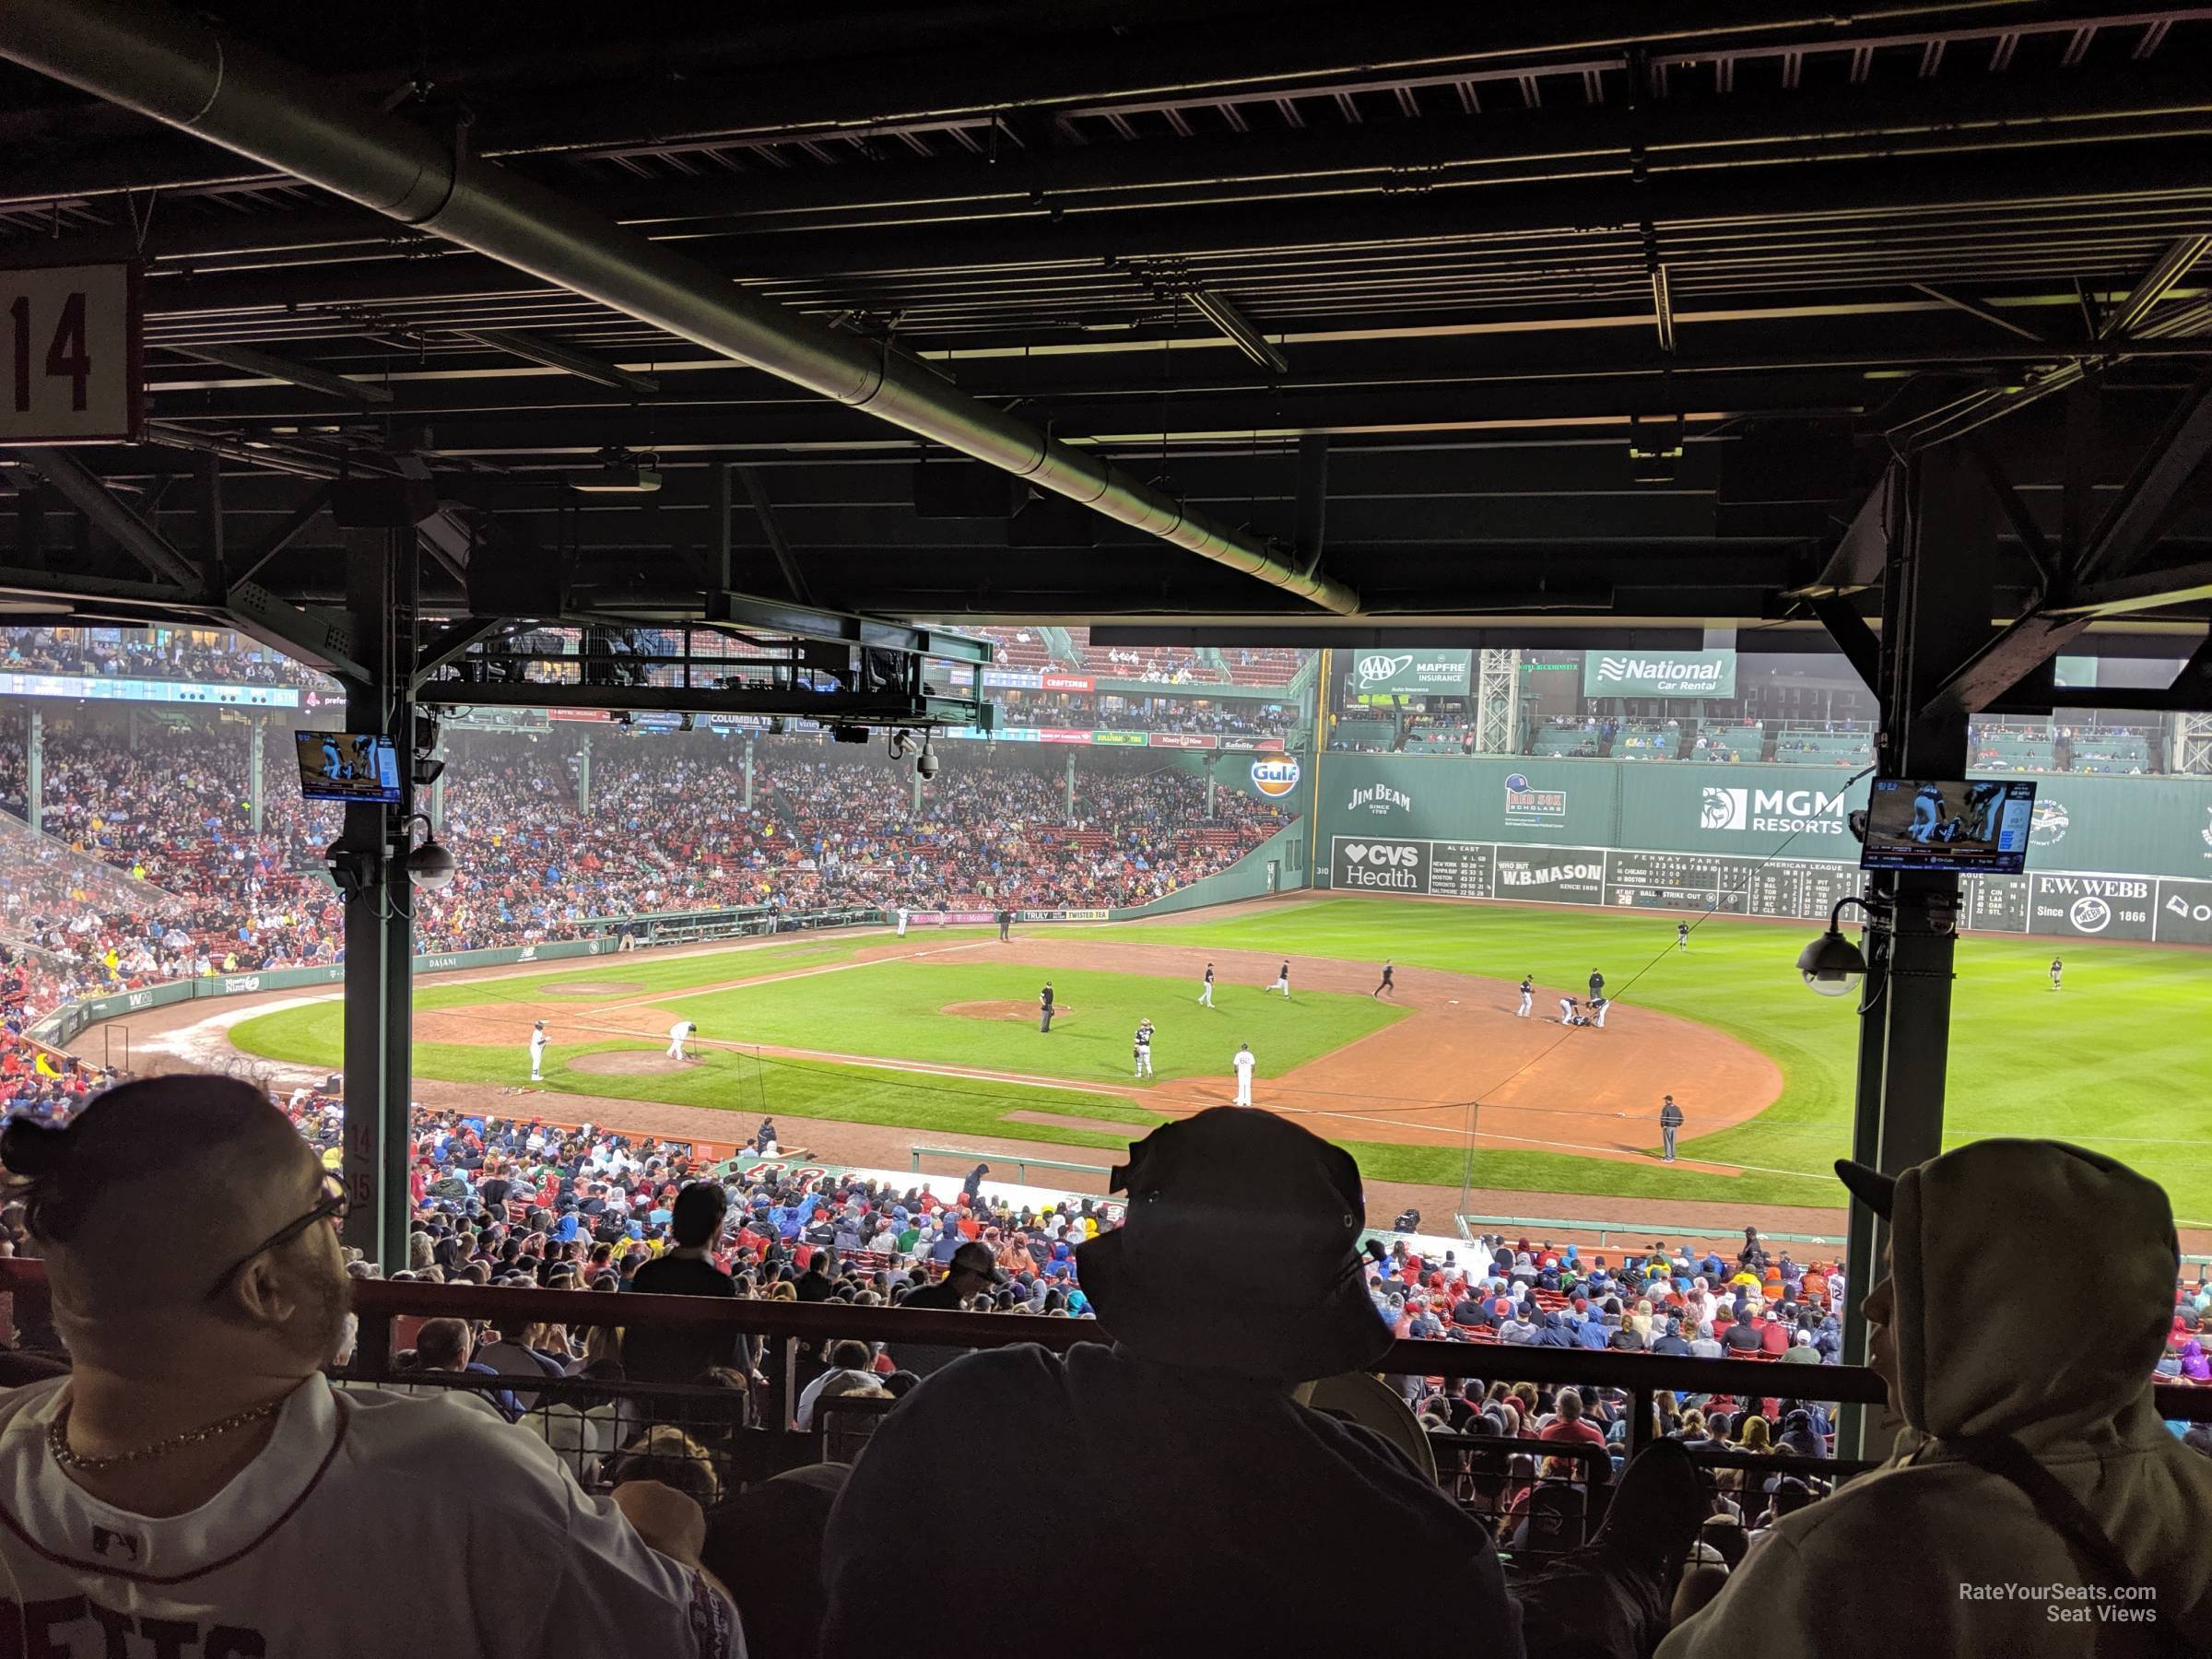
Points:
70	368
1659	674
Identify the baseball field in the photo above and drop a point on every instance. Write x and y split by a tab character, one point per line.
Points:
1444	1085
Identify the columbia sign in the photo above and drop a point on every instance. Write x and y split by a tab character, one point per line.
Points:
1659	674
1274	778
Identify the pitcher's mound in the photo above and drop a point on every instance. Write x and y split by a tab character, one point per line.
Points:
628	1062
595	988
1025	1012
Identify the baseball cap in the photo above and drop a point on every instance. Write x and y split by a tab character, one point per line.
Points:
976	1258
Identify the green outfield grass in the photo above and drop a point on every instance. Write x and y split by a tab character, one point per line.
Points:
895	1010
2120	1060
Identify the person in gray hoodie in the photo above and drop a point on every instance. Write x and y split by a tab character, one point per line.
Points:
2034	1502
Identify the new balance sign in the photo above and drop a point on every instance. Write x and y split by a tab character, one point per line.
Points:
1659	674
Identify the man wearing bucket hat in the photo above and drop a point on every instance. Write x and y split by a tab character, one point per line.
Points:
1220	1516
2034	1503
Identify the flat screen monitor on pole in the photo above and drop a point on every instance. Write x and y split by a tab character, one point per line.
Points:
358	768
1978	825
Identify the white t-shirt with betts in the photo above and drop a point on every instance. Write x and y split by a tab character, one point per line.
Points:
373	1524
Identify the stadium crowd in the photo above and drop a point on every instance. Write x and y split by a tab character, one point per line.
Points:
221	658
149	870
1234	1274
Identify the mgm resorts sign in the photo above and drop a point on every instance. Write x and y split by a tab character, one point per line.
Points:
1659	674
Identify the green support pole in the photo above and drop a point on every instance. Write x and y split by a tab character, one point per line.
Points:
1935	615
748	771
34	767
256	732
584	778
379	944
1071	786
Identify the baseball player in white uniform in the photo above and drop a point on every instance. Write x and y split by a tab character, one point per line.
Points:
537	1052
1244	1062
1205	992
1601	1006
1282	982
1144	1048
677	1033
902	921
1528	995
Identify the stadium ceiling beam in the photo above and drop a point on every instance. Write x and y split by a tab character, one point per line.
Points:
551	354
756	492
293	527
855	98
267	366
1958	303
2104	578
177	69
856	708
1557	172
85	493
453	641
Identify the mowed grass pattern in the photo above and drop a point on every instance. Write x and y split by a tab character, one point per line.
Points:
896	1010
2120	1060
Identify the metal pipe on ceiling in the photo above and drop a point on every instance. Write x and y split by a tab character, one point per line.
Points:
178	70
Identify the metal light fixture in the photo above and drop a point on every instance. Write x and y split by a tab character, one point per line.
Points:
619	473
428	865
1831	964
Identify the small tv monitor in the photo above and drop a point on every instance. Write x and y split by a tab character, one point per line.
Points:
1981	824
358	768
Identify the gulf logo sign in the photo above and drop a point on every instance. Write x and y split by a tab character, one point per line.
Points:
1274	778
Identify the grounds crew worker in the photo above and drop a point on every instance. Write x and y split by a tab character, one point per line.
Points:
2034	1502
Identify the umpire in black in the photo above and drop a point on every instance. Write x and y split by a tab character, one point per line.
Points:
1670	1119
1044	1008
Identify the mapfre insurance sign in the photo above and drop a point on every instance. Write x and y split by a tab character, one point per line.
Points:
70	356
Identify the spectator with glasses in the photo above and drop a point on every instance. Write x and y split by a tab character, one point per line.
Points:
197	1481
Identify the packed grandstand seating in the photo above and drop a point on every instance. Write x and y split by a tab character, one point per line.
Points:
149	870
1239	717
220	658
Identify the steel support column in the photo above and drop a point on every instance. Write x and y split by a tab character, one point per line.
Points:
256	733
1071	786
34	772
584	777
1935	615
379	935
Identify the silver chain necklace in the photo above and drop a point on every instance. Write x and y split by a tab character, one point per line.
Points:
57	1439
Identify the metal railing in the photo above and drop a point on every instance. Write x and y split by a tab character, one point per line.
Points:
1628	1232
791	1326
1022	1166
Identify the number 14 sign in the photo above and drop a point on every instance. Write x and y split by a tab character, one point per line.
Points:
70	354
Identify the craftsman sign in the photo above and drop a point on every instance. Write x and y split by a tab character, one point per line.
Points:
70	351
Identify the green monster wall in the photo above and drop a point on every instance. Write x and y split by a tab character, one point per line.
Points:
1756	839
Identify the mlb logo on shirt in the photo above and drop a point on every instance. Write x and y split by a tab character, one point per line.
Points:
119	1546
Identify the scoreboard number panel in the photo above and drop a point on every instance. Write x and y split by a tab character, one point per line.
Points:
71	355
